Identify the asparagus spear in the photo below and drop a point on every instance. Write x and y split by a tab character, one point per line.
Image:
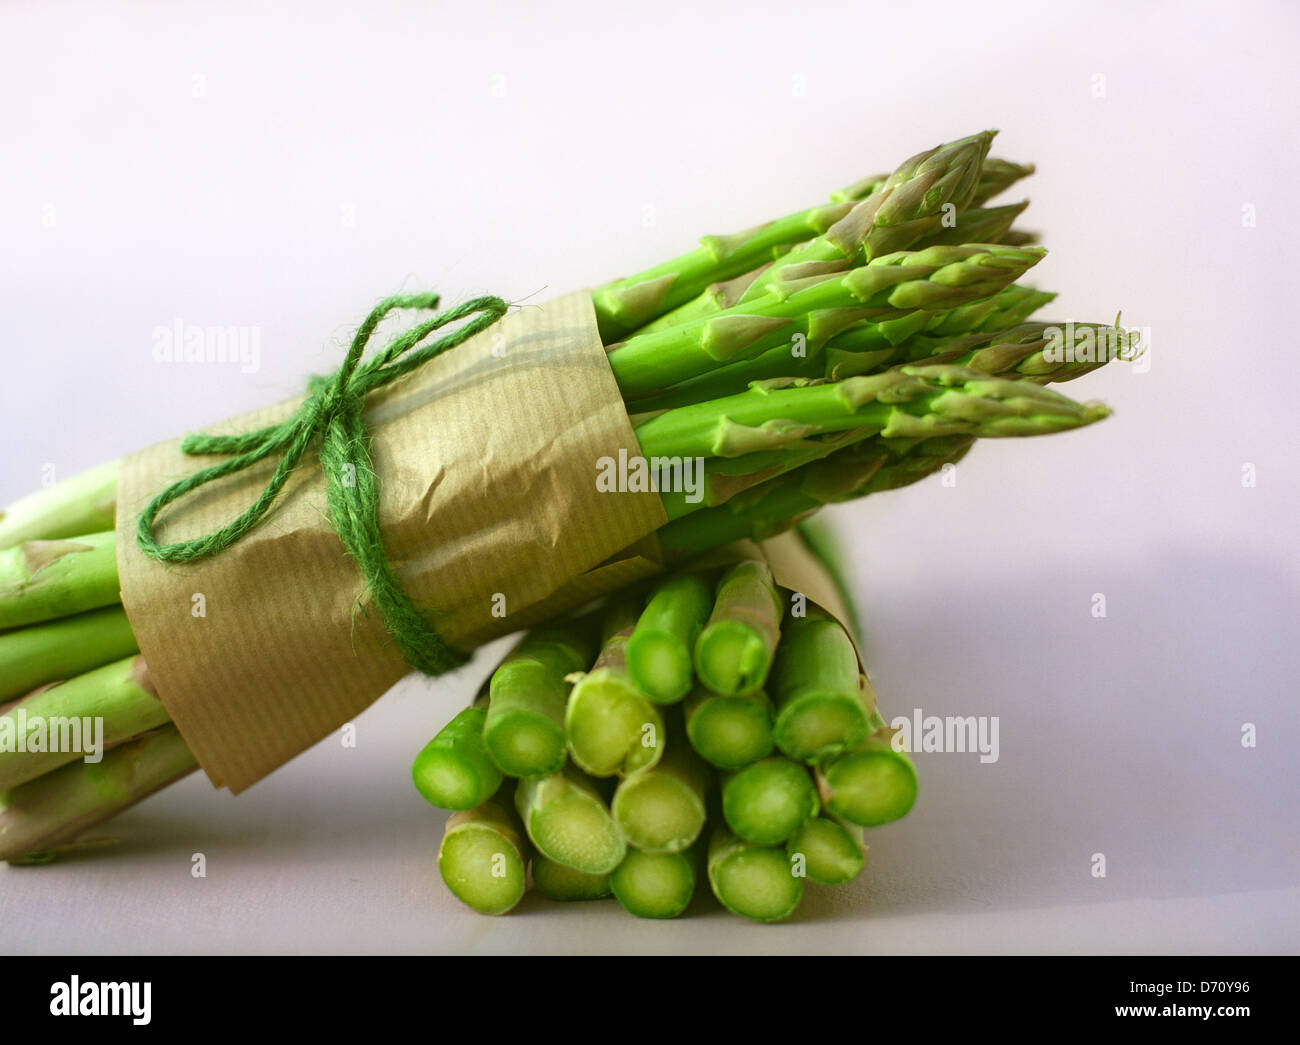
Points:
807	303
863	349
83	503
996	176
659	648
59	649
905	208
734	651
766	802
729	732
661	809
870	785
568	821
524	727
628	303
654	885
454	770
774	506
832	852
120	696
610	726
979	225
818	689
912	401
482	858
558	882
42	580
47	814
753	881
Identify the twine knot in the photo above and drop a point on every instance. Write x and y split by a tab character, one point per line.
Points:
333	411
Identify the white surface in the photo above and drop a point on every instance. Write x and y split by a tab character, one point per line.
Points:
283	171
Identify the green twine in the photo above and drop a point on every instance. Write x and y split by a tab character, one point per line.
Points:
334	412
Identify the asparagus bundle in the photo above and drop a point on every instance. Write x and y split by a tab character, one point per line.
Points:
850	347
754	795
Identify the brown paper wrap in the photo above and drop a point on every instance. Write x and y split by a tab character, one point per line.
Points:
486	458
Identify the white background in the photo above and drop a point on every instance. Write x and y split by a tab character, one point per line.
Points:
284	169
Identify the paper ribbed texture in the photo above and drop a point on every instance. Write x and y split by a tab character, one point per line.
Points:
486	461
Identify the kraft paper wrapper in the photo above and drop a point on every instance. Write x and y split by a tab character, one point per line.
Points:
486	463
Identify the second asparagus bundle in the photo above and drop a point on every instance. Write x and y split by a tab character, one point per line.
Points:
718	729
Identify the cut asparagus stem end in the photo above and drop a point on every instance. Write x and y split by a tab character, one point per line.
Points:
830	852
48	813
817	724
660	664
612	729
524	744
752	881
731	659
766	802
557	882
482	861
454	771
654	885
658	812
730	732
568	823
871	785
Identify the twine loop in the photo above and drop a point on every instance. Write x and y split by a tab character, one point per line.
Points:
333	412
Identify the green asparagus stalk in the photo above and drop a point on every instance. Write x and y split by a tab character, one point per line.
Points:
82	716
662	809
482	858
818	688
612	729
871	785
659	649
913	401
909	205
734	651
47	814
83	503
996	176
806	303
729	732
524	727
625	304
655	885
59	649
863	349
43	580
828	852
568	821
979	225
773	507
557	882
454	770
754	881
766	802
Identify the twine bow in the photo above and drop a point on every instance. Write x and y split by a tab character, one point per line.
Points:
334	412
